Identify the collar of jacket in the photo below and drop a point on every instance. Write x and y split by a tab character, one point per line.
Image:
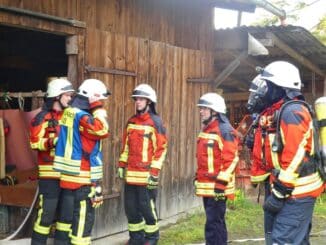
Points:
211	125
143	116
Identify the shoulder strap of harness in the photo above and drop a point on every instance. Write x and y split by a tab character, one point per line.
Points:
277	145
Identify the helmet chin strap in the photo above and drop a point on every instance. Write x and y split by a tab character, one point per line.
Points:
61	105
208	120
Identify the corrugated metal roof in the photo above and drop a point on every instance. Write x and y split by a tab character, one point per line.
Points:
293	38
298	38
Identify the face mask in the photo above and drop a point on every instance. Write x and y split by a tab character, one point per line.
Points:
258	91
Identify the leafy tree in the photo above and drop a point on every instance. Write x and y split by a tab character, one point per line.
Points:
292	15
320	31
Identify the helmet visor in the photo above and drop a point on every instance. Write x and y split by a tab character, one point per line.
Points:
140	93
259	86
204	103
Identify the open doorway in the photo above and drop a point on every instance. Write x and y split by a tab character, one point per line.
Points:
27	60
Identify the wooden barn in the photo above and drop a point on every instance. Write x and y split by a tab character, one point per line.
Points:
170	44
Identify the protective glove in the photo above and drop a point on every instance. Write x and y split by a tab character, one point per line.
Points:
219	195
51	142
273	204
152	182
194	182
121	172
96	196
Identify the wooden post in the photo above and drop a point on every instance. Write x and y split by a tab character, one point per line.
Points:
72	52
2	150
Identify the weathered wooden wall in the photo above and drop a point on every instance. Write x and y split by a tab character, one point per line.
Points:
184	23
163	43
166	68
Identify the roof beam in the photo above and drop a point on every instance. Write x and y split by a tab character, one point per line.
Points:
291	52
229	69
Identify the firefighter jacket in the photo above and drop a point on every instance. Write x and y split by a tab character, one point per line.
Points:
78	153
144	148
293	163
44	130
217	157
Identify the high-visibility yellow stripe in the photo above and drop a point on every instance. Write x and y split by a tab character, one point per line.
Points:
82	219
124	154
205	192
50	174
136	180
151	228
137	173
60	226
308	187
45	230
40	144
145	146
289	175
212	137
80	240
141	127
228	173
259	178
136	227
75	179
67	161
274	155
205	185
210	157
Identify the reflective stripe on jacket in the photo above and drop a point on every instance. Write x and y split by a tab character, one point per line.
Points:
217	157
44	130
78	153
144	148
294	162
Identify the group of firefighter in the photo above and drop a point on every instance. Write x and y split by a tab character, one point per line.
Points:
68	134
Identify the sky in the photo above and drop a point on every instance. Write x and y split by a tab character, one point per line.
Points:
308	17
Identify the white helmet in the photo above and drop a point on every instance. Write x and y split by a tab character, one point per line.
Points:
213	101
93	88
145	91
57	87
283	74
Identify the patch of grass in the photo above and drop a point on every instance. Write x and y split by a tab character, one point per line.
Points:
319	216
187	230
244	219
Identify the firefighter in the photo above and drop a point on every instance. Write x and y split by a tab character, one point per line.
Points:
144	150
283	154
44	130
78	157
217	157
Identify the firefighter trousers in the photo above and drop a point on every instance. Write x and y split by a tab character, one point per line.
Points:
292	224
49	194
65	217
141	214
83	216
215	227
76	217
268	217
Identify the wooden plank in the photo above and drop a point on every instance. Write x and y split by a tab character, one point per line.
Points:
42	16
200	80
106	51
110	71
